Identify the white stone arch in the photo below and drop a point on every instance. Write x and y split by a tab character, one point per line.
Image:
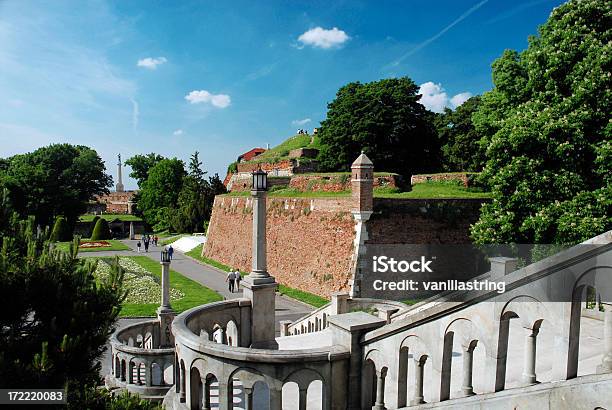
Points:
156	374
232	334
599	278
196	390
413	346
530	313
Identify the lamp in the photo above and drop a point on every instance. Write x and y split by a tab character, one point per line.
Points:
165	256
260	180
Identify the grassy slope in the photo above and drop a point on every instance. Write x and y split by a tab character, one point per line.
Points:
115	246
281	151
431	190
110	217
195	294
311	299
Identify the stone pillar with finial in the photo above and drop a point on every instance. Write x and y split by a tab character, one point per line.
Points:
165	314
259	286
119	186
362	190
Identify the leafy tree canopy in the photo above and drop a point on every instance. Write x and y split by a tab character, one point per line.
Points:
461	147
386	121
547	123
141	164
55	180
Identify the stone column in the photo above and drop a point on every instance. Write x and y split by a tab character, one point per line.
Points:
276	398
132	234
380	390
248	398
529	374
468	366
606	363
259	286
148	375
419	375
303	400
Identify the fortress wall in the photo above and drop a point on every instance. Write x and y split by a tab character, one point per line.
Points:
310	240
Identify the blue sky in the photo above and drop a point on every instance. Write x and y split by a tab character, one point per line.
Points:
222	77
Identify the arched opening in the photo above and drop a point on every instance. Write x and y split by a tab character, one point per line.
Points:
261	396
182	391
139	341
210	396
132	373
368	384
315	395
131	341
148	341
324	320
123	370
156	374
291	395
168	373
402	377
232	333
195	389
117	367
142	373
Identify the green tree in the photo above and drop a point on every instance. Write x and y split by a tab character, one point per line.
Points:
461	147
547	123
57	317
101	230
55	180
159	193
386	121
196	198
61	231
141	164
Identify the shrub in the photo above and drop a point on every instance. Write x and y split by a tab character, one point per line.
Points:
61	230
101	230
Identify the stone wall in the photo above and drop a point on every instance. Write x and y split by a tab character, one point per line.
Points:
310	240
464	177
285	164
337	182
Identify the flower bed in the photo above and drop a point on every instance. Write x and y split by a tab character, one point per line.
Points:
95	244
142	286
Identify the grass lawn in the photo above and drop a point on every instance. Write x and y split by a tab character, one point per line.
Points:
306	297
311	299
115	246
432	190
195	294
281	151
110	217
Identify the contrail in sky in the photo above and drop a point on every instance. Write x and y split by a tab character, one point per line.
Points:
440	33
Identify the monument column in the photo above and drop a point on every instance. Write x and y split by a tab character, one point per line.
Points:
165	314
259	286
119	187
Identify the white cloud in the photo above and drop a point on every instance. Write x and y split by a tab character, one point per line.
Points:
301	122
178	132
459	99
135	114
323	38
203	96
151	63
435	99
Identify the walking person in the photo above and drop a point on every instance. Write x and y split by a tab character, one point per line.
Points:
138	246
237	278
146	244
230	280
170	251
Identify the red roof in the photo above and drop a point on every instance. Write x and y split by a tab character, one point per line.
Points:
249	155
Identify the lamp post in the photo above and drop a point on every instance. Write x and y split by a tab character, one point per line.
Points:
259	286
165	314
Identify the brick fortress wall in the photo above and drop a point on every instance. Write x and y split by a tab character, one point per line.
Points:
310	240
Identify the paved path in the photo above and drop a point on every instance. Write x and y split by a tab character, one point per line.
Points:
213	278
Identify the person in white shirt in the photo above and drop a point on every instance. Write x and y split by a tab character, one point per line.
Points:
231	277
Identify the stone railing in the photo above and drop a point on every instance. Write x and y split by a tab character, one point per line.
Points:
207	362
139	364
500	346
341	303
